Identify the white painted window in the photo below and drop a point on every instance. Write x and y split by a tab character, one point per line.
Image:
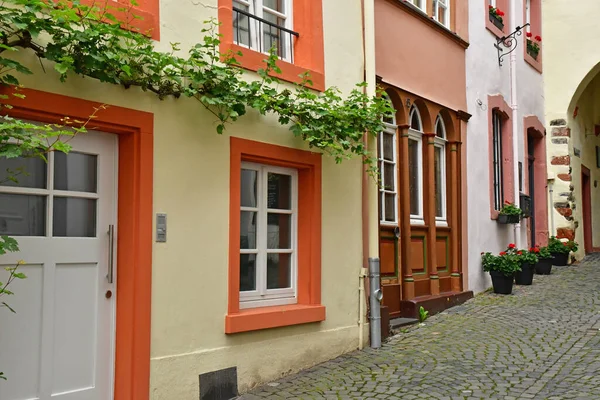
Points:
388	171
418	3
415	166
268	235
441	12
256	34
497	160
492	3
439	167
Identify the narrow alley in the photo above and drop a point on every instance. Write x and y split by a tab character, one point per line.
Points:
542	342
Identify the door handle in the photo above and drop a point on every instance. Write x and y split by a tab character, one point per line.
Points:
111	253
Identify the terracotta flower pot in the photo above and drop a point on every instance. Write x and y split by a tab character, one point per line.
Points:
502	284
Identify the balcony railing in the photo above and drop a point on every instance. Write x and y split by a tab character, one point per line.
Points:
261	35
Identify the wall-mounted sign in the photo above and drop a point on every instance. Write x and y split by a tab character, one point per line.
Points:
577	152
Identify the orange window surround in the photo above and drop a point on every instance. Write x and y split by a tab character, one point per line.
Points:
309	308
134	241
147	10
499	105
535	28
503	5
308	48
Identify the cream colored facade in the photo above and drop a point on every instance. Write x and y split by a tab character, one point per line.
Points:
191	185
572	87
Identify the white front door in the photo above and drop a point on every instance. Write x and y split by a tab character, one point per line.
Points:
60	342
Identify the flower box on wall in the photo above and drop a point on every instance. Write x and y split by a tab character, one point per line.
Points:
508	219
496	22
533	45
496	17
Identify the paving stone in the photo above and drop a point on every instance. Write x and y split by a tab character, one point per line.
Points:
541	342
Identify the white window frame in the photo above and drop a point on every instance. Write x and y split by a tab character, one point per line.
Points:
417	135
492	3
440	143
390	129
445	4
420	4
261	296
257	8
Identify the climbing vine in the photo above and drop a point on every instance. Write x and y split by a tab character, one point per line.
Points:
88	40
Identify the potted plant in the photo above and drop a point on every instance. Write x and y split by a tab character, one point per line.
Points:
560	250
533	45
544	264
496	17
502	269
509	214
529	260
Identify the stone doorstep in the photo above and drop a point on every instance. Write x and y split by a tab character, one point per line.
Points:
398	323
433	304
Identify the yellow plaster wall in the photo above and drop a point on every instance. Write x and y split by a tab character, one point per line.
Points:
191	185
571	62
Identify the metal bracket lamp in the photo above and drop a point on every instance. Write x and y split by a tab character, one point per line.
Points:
507	44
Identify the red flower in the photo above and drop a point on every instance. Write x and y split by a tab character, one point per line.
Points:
529	34
531	249
538	38
502	253
491	7
500	13
564	243
512	246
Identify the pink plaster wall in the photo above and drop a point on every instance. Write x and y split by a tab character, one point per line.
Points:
413	56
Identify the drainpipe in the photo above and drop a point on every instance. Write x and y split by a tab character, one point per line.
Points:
515	122
551	205
370	218
376	297
361	307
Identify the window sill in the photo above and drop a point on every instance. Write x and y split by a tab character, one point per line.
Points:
417	222
273	317
535	64
254	60
493	28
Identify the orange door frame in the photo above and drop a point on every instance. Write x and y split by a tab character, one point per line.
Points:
134	243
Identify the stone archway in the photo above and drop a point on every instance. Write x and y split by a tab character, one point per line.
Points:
574	146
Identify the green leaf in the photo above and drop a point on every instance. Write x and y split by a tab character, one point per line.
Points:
61	68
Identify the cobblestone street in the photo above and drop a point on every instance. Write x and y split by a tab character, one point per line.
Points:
542	342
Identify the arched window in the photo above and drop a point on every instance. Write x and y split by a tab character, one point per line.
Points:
388	171
415	166
439	165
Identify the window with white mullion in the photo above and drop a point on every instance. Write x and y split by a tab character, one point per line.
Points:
497	160
415	166
388	190
260	36
441	12
271	193
439	167
419	4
